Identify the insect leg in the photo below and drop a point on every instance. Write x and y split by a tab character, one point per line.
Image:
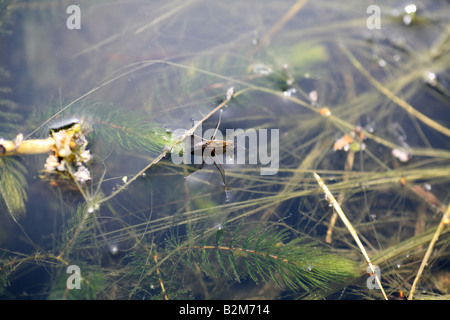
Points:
217	126
222	172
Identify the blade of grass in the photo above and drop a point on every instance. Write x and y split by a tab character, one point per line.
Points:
350	228
445	220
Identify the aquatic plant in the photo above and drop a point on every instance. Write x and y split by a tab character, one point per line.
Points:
363	156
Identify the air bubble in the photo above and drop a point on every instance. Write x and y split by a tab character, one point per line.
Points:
410	11
411	8
289	92
114	249
407	20
93	208
430	78
230	93
262	70
401	155
313	95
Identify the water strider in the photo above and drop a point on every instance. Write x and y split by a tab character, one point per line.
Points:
213	147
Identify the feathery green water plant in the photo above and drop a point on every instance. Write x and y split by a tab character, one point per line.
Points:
264	254
13	187
13	183
110	127
117	126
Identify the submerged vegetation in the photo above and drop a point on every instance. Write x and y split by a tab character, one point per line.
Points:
358	207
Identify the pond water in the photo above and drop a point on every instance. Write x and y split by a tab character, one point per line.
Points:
358	94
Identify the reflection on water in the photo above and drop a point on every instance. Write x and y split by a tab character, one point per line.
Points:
147	227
